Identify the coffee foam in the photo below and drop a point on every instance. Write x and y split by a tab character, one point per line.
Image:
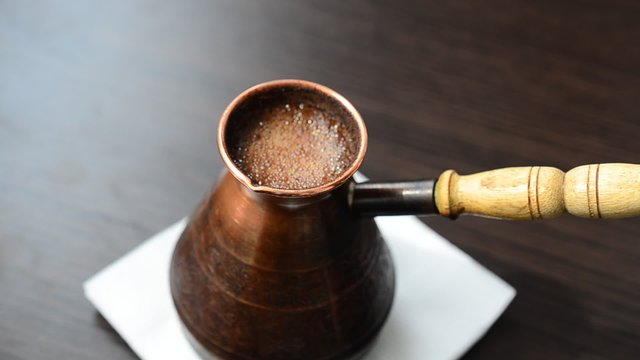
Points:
294	146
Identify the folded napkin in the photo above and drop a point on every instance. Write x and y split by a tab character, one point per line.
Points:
445	301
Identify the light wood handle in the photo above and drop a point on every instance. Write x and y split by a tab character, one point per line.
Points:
609	191
536	192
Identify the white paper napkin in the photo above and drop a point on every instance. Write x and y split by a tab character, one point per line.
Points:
445	301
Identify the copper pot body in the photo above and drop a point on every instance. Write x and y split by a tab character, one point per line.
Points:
262	275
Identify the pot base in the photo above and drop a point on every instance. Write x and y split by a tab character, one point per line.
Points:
358	352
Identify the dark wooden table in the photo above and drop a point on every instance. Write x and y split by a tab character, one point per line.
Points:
108	115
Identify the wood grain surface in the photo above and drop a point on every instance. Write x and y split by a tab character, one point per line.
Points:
108	114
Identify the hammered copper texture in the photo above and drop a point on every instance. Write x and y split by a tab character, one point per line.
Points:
256	276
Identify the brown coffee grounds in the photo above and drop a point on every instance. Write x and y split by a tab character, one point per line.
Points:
294	146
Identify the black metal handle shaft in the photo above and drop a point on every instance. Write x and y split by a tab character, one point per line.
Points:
394	198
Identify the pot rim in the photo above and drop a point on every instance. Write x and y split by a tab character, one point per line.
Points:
291	83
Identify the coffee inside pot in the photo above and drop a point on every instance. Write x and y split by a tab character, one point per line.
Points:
292	139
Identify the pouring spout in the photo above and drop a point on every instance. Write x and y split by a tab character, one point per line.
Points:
393	198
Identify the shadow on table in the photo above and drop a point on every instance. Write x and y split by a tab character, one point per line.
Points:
111	333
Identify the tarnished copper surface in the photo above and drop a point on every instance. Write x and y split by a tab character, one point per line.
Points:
256	276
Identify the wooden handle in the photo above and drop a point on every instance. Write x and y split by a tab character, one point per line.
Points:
609	191
535	192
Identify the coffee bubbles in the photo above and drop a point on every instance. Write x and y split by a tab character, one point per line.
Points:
294	146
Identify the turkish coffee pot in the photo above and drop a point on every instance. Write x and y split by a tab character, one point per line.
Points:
283	259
